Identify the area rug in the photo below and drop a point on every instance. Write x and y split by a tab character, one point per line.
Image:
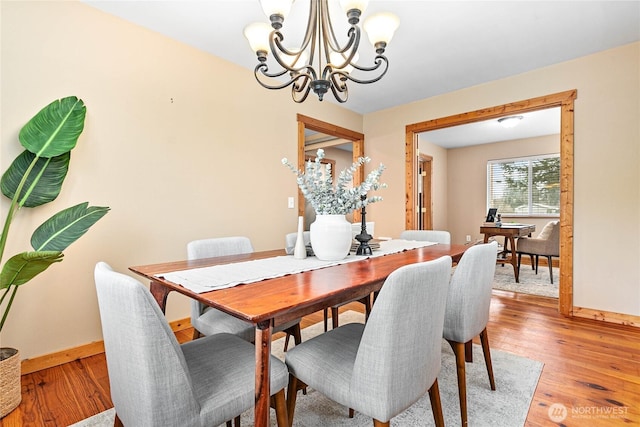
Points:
516	380
103	419
530	282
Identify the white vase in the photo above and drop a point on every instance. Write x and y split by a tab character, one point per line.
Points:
300	250
331	237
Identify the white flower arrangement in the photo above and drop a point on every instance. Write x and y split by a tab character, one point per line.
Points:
316	184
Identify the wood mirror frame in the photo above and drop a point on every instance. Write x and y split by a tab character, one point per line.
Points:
564	100
356	138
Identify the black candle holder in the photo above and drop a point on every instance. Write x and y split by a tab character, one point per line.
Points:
364	237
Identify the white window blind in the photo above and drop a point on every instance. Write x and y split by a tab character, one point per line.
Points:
527	186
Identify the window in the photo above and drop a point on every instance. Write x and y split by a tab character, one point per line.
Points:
528	186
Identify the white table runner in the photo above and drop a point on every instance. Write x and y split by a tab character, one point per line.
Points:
207	279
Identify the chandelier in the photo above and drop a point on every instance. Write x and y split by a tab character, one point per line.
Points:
321	63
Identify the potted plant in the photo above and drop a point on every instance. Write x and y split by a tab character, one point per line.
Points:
35	178
331	233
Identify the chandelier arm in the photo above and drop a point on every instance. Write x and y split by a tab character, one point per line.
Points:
300	86
311	73
332	44
262	70
352	44
277	48
379	60
304	90
339	76
339	88
295	56
303	81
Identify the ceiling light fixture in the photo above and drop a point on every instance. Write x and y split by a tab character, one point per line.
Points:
321	63
511	121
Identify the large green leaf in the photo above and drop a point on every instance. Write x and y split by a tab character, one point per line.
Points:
21	268
55	129
65	227
43	183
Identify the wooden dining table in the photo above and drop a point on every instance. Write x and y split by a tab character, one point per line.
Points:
510	232
272	302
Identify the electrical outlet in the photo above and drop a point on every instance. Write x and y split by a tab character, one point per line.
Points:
468	238
290	202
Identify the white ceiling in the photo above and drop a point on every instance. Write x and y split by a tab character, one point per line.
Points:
536	123
441	46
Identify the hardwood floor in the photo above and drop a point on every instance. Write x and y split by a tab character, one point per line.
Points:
591	368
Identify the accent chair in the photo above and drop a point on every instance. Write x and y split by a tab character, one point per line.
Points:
546	244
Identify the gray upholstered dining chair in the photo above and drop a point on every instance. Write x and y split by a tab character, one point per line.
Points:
290	243
383	367
546	244
208	320
467	312
157	382
438	236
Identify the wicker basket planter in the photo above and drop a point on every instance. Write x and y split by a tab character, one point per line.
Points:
10	387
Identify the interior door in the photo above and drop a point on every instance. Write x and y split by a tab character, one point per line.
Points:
424	208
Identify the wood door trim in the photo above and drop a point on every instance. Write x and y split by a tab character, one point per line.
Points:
329	129
564	100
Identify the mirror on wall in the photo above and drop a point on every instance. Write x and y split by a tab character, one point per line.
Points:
341	146
338	155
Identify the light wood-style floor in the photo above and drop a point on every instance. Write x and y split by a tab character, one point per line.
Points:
591	368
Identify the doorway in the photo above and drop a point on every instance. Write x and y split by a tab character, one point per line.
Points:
425	208
564	100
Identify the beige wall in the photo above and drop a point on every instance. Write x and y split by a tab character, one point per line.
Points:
467	203
181	145
607	177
